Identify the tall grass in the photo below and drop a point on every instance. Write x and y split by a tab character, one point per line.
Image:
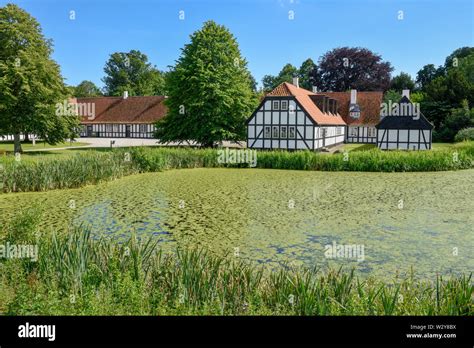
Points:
64	172
78	275
92	167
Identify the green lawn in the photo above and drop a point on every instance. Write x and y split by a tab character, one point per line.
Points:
28	146
357	147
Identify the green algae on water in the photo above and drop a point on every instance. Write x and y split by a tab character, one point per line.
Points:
281	217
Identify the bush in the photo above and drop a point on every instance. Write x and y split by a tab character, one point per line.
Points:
465	134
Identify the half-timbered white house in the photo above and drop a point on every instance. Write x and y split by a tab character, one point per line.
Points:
120	117
361	112
405	129
293	118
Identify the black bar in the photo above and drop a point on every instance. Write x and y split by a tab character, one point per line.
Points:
257	330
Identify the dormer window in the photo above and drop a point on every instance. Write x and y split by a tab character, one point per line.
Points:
284	104
276	104
354	111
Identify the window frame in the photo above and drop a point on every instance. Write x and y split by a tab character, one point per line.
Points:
277	103
284	105
267	135
371	132
284	132
290	128
277	129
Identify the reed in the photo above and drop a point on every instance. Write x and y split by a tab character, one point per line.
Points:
93	167
79	275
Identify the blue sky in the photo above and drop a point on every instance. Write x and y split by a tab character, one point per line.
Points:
429	31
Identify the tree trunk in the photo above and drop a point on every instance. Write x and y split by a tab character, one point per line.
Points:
17	143
26	137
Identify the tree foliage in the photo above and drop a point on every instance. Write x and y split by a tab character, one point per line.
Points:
30	81
285	75
86	89
457	119
453	60
308	74
353	67
210	90
392	96
133	73
448	91
402	81
427	74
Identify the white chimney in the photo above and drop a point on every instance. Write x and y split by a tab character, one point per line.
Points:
296	81
406	93
125	95
353	96
315	89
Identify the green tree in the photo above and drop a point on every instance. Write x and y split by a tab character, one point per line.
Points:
30	81
133	73
308	74
391	96
209	90
453	60
452	88
458	119
285	75
86	89
466	66
427	74
402	81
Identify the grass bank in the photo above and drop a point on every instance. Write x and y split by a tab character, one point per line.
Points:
90	167
8	146
77	275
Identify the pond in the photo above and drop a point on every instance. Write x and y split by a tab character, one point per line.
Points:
385	222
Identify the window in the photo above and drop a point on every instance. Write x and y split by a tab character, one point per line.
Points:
291	131
338	130
267	133
284	104
283	132
353	132
276	105
275	132
115	128
372	132
324	132
142	128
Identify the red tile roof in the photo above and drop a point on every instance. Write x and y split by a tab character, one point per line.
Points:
303	97
369	104
147	109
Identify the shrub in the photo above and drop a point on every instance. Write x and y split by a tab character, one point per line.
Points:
465	134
